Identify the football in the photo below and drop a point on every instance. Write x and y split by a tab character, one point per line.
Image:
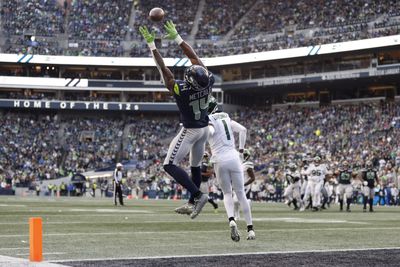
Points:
156	14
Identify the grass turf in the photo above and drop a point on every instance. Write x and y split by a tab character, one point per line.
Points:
88	228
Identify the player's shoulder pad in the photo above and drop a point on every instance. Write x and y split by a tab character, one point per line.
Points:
211	77
179	86
219	116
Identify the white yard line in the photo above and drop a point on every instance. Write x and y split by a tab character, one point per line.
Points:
211	231
231	254
44	253
14	248
18	262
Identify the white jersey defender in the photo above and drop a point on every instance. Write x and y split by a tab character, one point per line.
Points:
316	174
228	167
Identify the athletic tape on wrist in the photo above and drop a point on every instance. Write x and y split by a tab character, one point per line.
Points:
178	39
152	46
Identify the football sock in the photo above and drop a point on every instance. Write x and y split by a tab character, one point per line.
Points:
348	203
341	203
211	201
371	203
196	178
182	178
365	202
295	203
250	228
231	219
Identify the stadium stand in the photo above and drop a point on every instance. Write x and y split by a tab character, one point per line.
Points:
89	29
354	132
91	143
29	148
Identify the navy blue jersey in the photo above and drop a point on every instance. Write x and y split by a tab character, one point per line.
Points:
192	104
345	177
370	176
204	168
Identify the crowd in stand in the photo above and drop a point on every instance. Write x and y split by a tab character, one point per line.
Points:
40	17
145	138
92	143
97	28
221	16
29	148
99	20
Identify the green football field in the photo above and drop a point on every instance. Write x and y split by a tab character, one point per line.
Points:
88	228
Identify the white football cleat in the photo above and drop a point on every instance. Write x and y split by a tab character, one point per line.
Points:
198	205
185	209
251	235
234	231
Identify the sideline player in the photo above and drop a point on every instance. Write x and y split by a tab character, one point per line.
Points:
316	174
192	97
369	177
345	188
118	184
248	170
292	191
228	167
206	174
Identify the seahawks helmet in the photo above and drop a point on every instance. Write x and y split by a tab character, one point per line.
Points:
246	154
368	164
345	165
197	77
317	160
212	105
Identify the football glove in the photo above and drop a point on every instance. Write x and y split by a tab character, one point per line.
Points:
172	33
149	37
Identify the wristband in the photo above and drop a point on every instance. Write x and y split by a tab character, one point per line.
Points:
152	46
178	39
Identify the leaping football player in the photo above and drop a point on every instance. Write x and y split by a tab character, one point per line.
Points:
228	167
192	98
292	191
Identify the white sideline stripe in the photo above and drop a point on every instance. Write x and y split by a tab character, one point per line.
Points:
231	254
213	231
18	262
44	253
13	248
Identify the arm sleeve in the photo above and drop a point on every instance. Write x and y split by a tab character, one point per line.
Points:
238	128
211	130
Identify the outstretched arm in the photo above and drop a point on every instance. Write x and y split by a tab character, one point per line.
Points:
172	34
165	72
252	177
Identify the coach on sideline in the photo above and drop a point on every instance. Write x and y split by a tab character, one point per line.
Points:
118	184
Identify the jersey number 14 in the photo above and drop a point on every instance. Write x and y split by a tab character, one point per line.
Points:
199	105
